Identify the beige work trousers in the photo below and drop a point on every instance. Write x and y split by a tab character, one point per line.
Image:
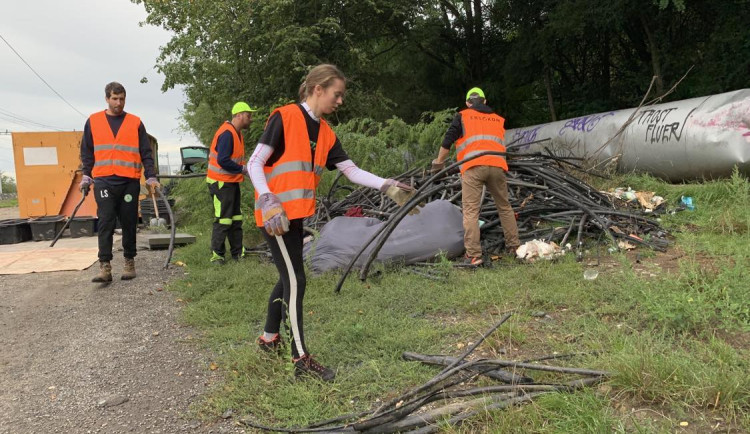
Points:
471	187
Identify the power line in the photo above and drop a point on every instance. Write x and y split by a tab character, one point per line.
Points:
40	77
25	123
20	120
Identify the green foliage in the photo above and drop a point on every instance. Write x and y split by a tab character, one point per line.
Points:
404	58
8	183
392	147
700	299
193	206
8	203
669	370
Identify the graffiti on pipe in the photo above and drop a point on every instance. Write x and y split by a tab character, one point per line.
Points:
521	136
659	127
584	124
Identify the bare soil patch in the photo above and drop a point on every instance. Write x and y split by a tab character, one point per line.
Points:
80	357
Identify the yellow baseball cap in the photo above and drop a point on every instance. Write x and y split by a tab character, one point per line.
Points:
242	107
474	90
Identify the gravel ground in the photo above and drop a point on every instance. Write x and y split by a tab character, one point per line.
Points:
80	357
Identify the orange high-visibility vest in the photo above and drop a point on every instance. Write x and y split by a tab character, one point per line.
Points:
295	176
119	155
482	132
215	171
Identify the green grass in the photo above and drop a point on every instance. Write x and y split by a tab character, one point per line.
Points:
678	341
8	203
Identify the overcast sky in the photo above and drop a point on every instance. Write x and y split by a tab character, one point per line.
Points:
78	47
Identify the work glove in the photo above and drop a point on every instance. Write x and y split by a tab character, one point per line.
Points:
274	217
244	170
399	193
85	184
436	167
153	184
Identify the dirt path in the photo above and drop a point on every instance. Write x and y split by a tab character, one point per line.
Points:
72	349
9	213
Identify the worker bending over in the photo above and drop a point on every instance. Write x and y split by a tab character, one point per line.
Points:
478	129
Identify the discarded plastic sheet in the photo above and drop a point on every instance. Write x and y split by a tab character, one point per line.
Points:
689	139
437	228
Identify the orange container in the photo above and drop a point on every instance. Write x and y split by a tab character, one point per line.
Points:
47	173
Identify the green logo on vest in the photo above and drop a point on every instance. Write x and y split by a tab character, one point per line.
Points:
128	198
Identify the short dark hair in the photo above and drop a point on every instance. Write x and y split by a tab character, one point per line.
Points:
114	87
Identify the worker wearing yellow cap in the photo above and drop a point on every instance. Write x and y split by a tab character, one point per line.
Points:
479	129
226	170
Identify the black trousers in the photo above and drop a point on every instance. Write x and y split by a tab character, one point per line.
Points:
286	297
117	202
228	218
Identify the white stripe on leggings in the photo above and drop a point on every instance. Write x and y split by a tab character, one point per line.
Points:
292	295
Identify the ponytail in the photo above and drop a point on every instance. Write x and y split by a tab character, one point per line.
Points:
323	75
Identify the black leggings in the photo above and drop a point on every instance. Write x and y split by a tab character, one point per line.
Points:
287	255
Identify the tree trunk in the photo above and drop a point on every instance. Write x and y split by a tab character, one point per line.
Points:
550	100
606	79
655	62
478	39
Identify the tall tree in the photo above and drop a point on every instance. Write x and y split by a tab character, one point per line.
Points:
537	60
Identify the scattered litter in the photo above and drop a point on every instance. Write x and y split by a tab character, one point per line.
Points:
532	250
687	202
626	195
648	200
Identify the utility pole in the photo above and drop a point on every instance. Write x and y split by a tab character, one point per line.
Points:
169	166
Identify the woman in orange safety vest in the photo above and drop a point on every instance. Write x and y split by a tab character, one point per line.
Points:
285	168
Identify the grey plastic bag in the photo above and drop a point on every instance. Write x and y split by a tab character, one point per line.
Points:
420	237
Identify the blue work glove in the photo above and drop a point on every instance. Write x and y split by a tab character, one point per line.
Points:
274	217
153	184
399	193
85	184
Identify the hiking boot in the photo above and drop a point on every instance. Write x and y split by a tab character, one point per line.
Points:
272	346
473	261
306	365
511	251
216	259
128	271
105	272
243	255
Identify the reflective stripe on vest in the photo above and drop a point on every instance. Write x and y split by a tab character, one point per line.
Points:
294	177
119	155
473	139
481	132
217	173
